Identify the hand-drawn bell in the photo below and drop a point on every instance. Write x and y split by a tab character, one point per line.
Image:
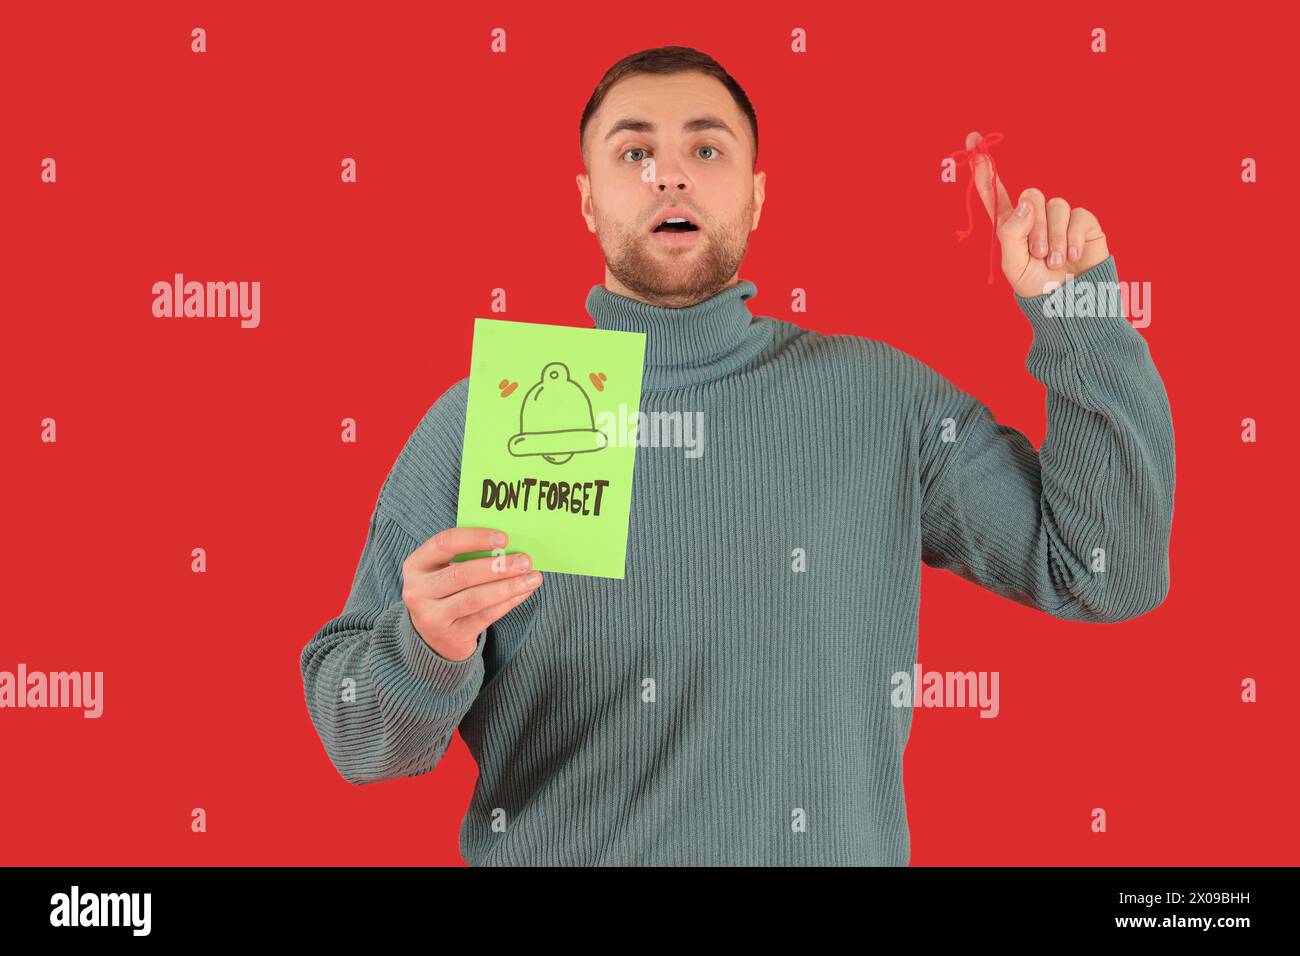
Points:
555	420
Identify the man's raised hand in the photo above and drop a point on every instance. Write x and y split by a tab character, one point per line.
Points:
1043	241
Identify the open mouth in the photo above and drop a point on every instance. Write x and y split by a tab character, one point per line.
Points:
676	224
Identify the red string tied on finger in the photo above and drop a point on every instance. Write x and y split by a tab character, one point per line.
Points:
980	149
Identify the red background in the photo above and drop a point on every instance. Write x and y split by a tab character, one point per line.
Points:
175	434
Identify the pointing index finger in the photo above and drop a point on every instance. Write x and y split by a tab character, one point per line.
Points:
984	177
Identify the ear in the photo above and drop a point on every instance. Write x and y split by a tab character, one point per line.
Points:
760	189
584	190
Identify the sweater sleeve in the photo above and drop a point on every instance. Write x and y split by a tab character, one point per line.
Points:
1079	528
384	703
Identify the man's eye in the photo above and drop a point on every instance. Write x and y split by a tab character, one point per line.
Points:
642	149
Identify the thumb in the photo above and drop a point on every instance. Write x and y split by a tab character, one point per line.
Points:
1013	234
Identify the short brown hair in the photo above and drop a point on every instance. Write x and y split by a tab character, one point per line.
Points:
665	60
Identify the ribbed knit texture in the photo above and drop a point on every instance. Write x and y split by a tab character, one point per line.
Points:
771	685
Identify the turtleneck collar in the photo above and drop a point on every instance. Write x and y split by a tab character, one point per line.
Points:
691	345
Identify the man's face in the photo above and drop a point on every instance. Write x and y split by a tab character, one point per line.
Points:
636	174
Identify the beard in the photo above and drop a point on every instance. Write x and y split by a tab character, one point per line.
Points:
675	276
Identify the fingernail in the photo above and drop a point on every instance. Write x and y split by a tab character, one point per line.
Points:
499	538
1022	209
1040	247
522	562
1055	258
1074	252
534	579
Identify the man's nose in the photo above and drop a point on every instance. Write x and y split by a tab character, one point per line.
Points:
670	176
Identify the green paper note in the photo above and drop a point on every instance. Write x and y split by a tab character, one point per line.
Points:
550	442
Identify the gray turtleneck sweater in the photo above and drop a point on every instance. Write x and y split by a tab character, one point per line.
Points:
731	700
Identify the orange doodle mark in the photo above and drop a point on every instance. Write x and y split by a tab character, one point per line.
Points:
598	379
507	387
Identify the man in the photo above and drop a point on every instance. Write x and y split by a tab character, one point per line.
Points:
729	700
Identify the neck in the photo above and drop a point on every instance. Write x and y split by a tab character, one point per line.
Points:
687	345
670	300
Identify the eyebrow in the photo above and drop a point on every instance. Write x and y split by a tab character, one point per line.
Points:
636	125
